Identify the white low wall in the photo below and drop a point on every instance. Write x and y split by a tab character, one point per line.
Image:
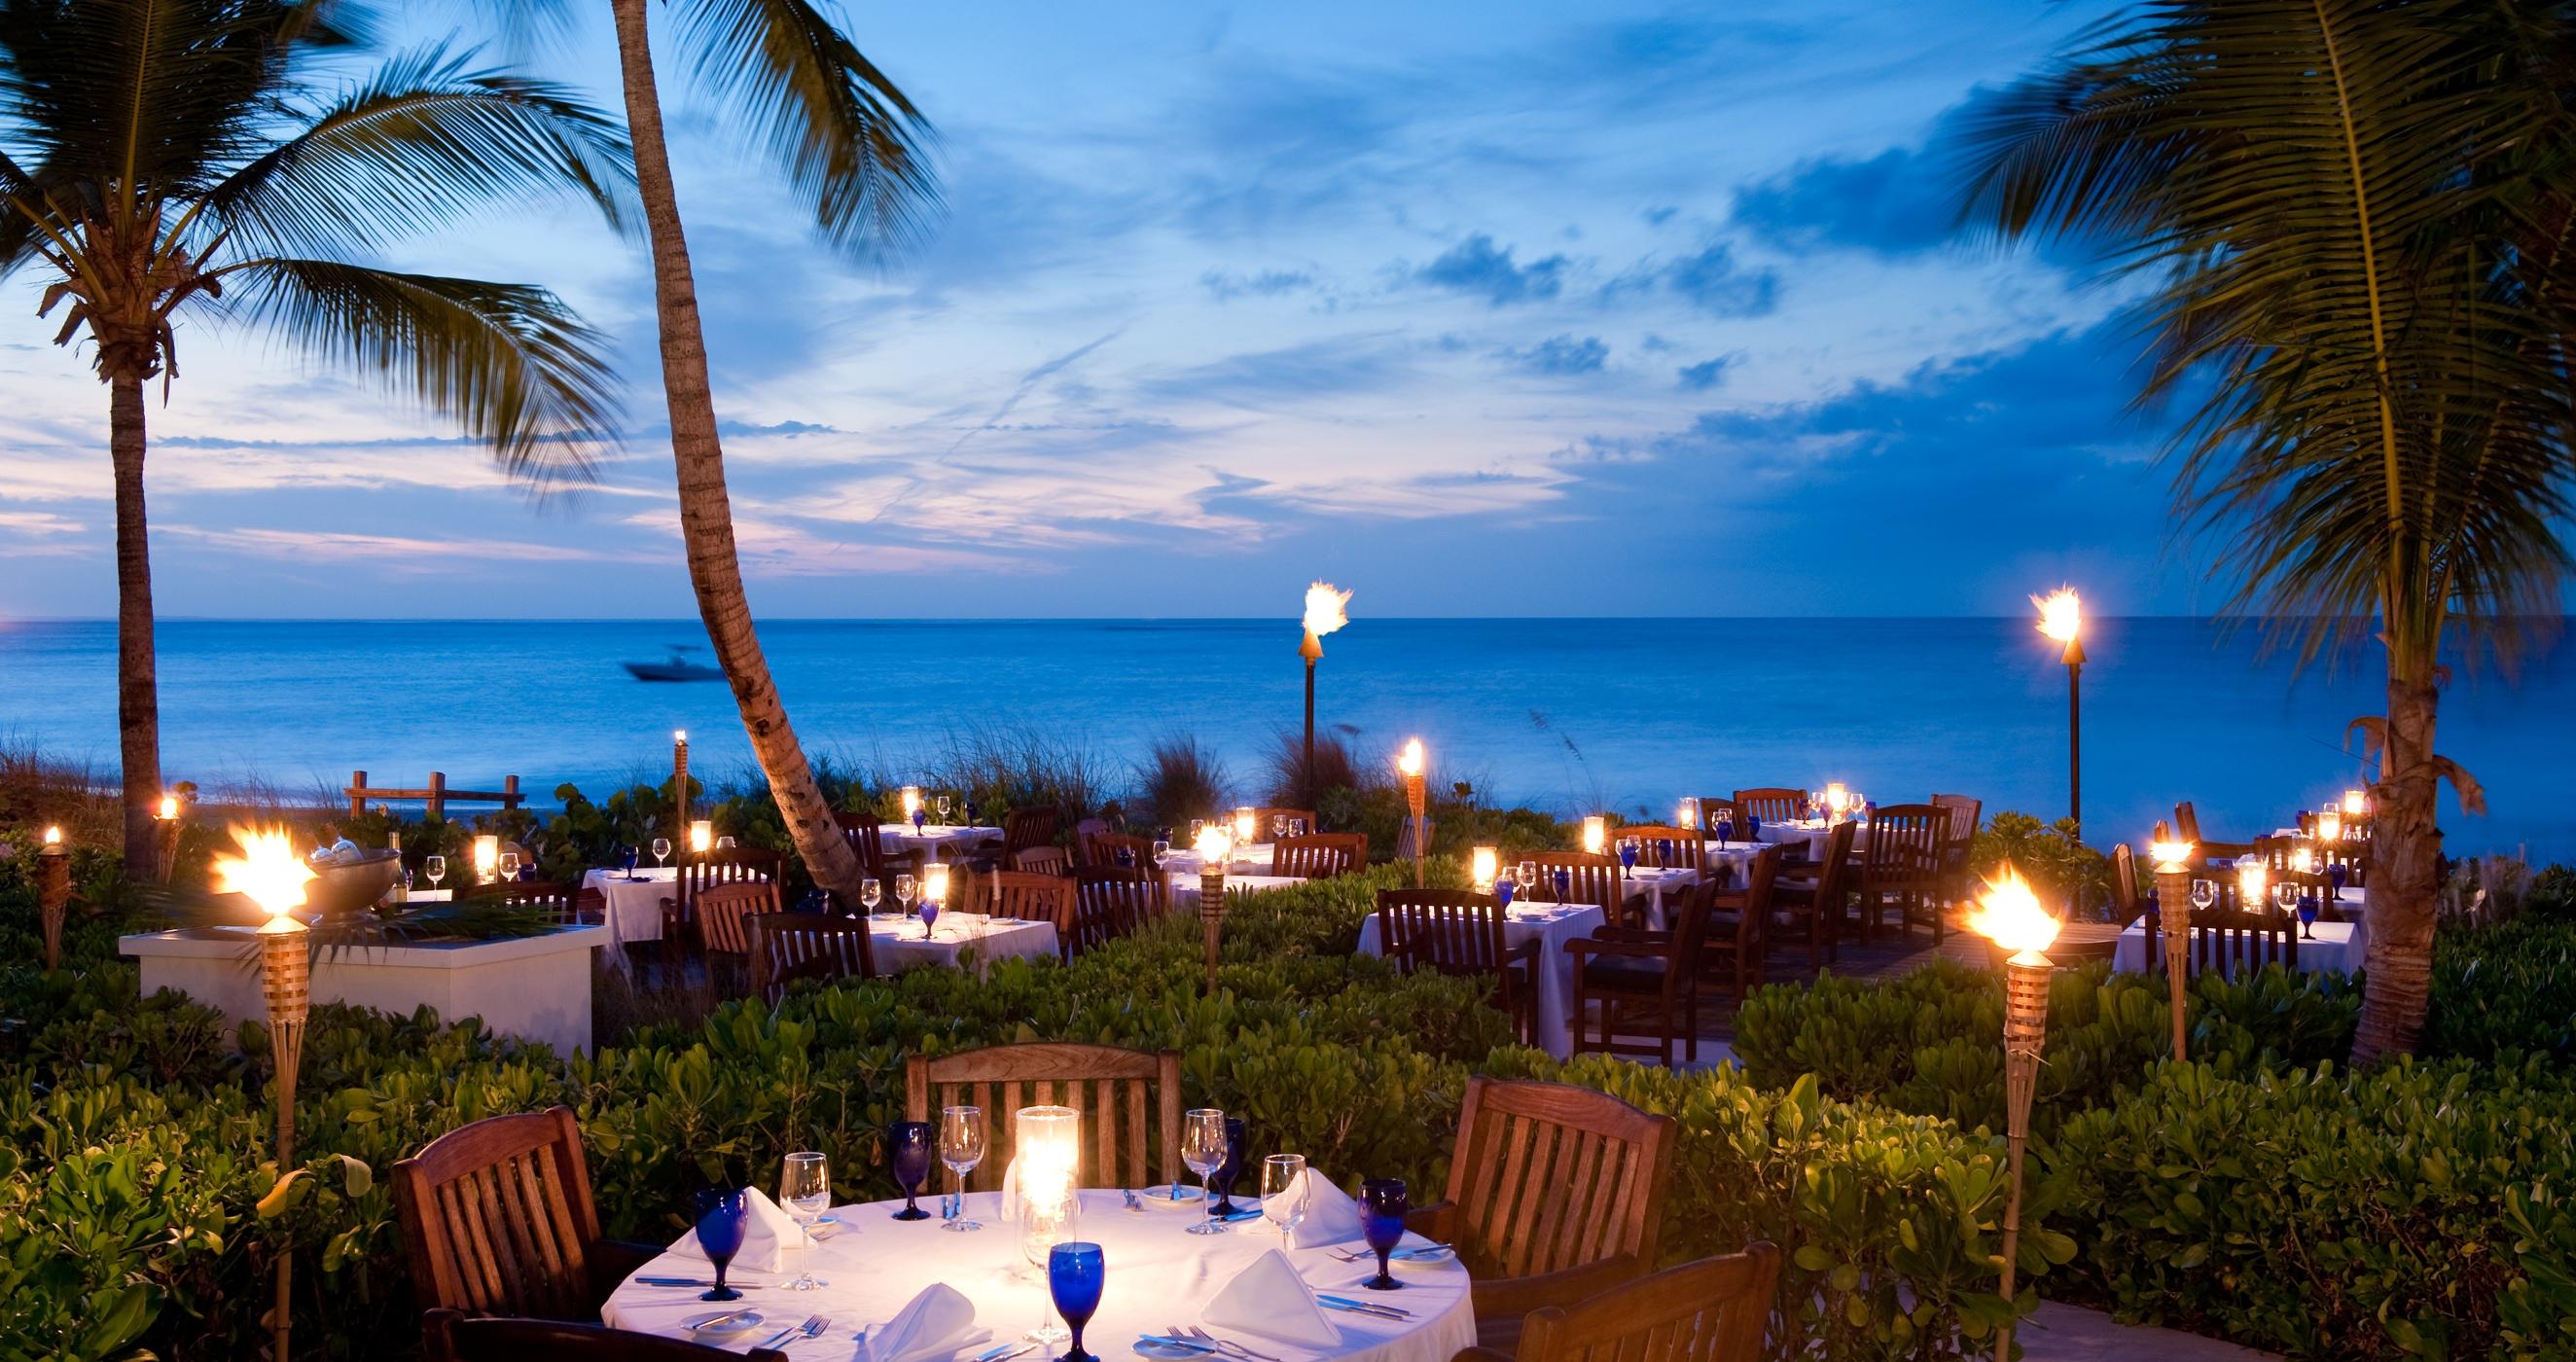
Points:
532	987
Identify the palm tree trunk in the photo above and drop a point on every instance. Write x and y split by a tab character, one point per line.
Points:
706	511
138	702
2403	896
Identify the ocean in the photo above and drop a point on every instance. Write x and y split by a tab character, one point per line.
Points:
1571	715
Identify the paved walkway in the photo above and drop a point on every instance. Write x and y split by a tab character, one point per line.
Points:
2069	1333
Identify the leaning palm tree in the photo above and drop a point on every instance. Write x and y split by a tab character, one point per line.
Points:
852	144
2350	221
162	158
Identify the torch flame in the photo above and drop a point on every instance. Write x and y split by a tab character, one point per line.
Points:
2010	916
1410	763
1216	842
1324	609
53	836
2061	614
268	871
2170	855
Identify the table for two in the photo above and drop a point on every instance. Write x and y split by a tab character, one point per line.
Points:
633	909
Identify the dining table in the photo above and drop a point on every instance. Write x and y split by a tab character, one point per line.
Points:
1186	886
1551	925
1159	1279
1811	834
631	905
1248	858
2324	947
937	841
897	942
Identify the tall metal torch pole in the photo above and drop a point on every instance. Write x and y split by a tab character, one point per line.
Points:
2025	1028
1313	651
2073	657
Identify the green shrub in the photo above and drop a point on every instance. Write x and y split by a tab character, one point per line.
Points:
2507	987
2051	855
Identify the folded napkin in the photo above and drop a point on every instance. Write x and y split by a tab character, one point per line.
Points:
1331	1216
768	1233
1270	1299
935	1323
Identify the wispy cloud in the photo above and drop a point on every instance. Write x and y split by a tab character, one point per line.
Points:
1476	266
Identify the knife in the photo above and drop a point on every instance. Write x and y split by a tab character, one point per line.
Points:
692	1281
1186	1344
1366	1307
1003	1352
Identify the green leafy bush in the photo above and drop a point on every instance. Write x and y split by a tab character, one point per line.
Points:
2507	987
2051	855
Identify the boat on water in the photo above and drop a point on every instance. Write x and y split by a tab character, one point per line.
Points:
679	668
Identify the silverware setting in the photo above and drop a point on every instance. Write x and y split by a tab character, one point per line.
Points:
1184	1344
1400	1255
1227	1346
1003	1352
712	1321
1364	1307
813	1327
1133	1202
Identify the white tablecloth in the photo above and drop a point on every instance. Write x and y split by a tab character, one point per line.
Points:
896	941
1812	834
1158	1276
1251	858
1185	888
634	906
944	842
1551	925
2336	949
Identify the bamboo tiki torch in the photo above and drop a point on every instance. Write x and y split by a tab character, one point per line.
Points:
1409	765
2010	916
2173	918
271	875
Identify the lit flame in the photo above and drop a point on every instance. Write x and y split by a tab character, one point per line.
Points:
1324	609
1244	829
268	871
1688	815
911	800
1410	762
2355	804
169	807
2061	614
702	835
679	735
53	836
2010	916
934	883
2330	826
2170	855
1484	864
1215	844
1837	797
1596	834
2251	877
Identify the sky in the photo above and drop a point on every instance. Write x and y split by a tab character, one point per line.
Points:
1475	309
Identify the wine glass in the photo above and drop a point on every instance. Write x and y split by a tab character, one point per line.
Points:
2308	909
943	802
903	889
1197	826
1628	847
1278	826
1203	1149
1284	1196
2336	875
1752	827
436	866
1296	827
1526	875
1229	1170
1162	851
1563	884
961	1147
1039	1228
661	851
929	916
805	1189
632	855
1383	1205
871	894
1075	1274
509	865
2204	894
725	843
908	1145
723	1215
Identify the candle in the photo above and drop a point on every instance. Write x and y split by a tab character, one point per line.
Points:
2329	826
1688	816
1244	832
487	856
1837	797
2251	878
702	835
934	883
1596	834
2355	804
911	801
1047	1153
2303	860
1484	863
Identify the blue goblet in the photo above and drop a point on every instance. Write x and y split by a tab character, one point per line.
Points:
2308	907
1075	1274
1664	851
929	916
1725	832
633	854
723	1214
1503	891
920	817
1564	880
1753	827
2336	875
1628	854
1383	1205
1223	1178
908	1147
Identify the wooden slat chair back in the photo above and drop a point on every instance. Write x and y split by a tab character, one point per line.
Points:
1030	827
1083	831
1645	982
1660	844
1739	925
700	871
1588	879
497	1219
723	908
1042	861
1130	1102
1900	868
1772	804
1108	903
1446	931
589	907
1272	823
1715	807
2239	943
1958	842
866	836
1034	898
1319	855
2186	821
453	1336
1118	851
786	947
1555	1194
2125	903
1712	1310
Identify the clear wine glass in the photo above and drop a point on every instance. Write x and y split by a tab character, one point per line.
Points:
871	894
1526	876
1296	827
1197	826
1203	1149
805	1190
1162	852
509	866
961	1147
1278	826
943	805
436	867
661	851
1284	1195
903	889
2204	894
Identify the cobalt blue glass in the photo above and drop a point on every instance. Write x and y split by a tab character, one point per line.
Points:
909	1145
1627	855
1564	884
1075	1274
2336	875
1126	859
929	917
2308	907
1725	831
633	854
1383	1205
1503	891
1753	827
919	817
974	814
1223	1178
1664	849
723	1214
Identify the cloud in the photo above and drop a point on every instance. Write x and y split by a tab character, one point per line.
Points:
1476	266
1706	374
1334	366
1899	202
1714	284
1227	287
402	551
1563	355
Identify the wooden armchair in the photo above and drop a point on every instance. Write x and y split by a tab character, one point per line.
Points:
1042	861
1030	827
2187	826
1555	1196
1958	841
1109	903
699	872
1808	908
1646	982
1901	869
454	1336
1460	932
1713	1310
1319	855
497	1219
786	947
1118	851
1032	898
722	912
1111	1087
1592	879
1771	804
2125	903
1739	924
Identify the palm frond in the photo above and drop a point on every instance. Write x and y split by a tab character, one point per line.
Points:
509	362
850	141
120	96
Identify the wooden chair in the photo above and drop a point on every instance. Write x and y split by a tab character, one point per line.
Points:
589	907
1108	1085
454	1336
1108	903
1589	879
1319	855
1901	869
497	1219
786	947
1643	978
1772	804
1739	924
1958	842
1713	1310
1118	851
1030	827
1713	808
722	910
867	837
1808	908
2125	903
2237	942
1030	898
1042	861
2186	823
699	872
1460	932
1663	845
1555	1196
1263	818
1086	829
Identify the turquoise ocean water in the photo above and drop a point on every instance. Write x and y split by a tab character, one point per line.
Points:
1564	714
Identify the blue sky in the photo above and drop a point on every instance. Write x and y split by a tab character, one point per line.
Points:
1476	309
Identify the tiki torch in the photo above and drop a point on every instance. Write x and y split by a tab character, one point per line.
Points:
271	875
165	836
1324	614
2010	916
2173	915
53	893
1215	847
2061	617
680	777
1409	765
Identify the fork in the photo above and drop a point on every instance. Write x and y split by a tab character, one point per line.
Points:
813	1327
1225	1345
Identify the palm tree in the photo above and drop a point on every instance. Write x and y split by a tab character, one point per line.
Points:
2351	222
852	143
160	159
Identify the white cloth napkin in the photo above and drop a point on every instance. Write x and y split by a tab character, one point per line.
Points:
1331	1216
1270	1299
933	1324
768	1232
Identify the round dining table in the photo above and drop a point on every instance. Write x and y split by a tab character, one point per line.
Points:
1159	1279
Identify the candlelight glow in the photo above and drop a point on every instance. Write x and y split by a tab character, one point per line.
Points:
1688	815
53	836
1596	833
934	883
2303	860
911	801
2355	804
1837	796
268	871
487	856
1215	844
1244	831
1324	609
2251	878
1484	863
1410	762
1048	1149
2330	826
2061	614
169	807
2170	856
2009	915
702	835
